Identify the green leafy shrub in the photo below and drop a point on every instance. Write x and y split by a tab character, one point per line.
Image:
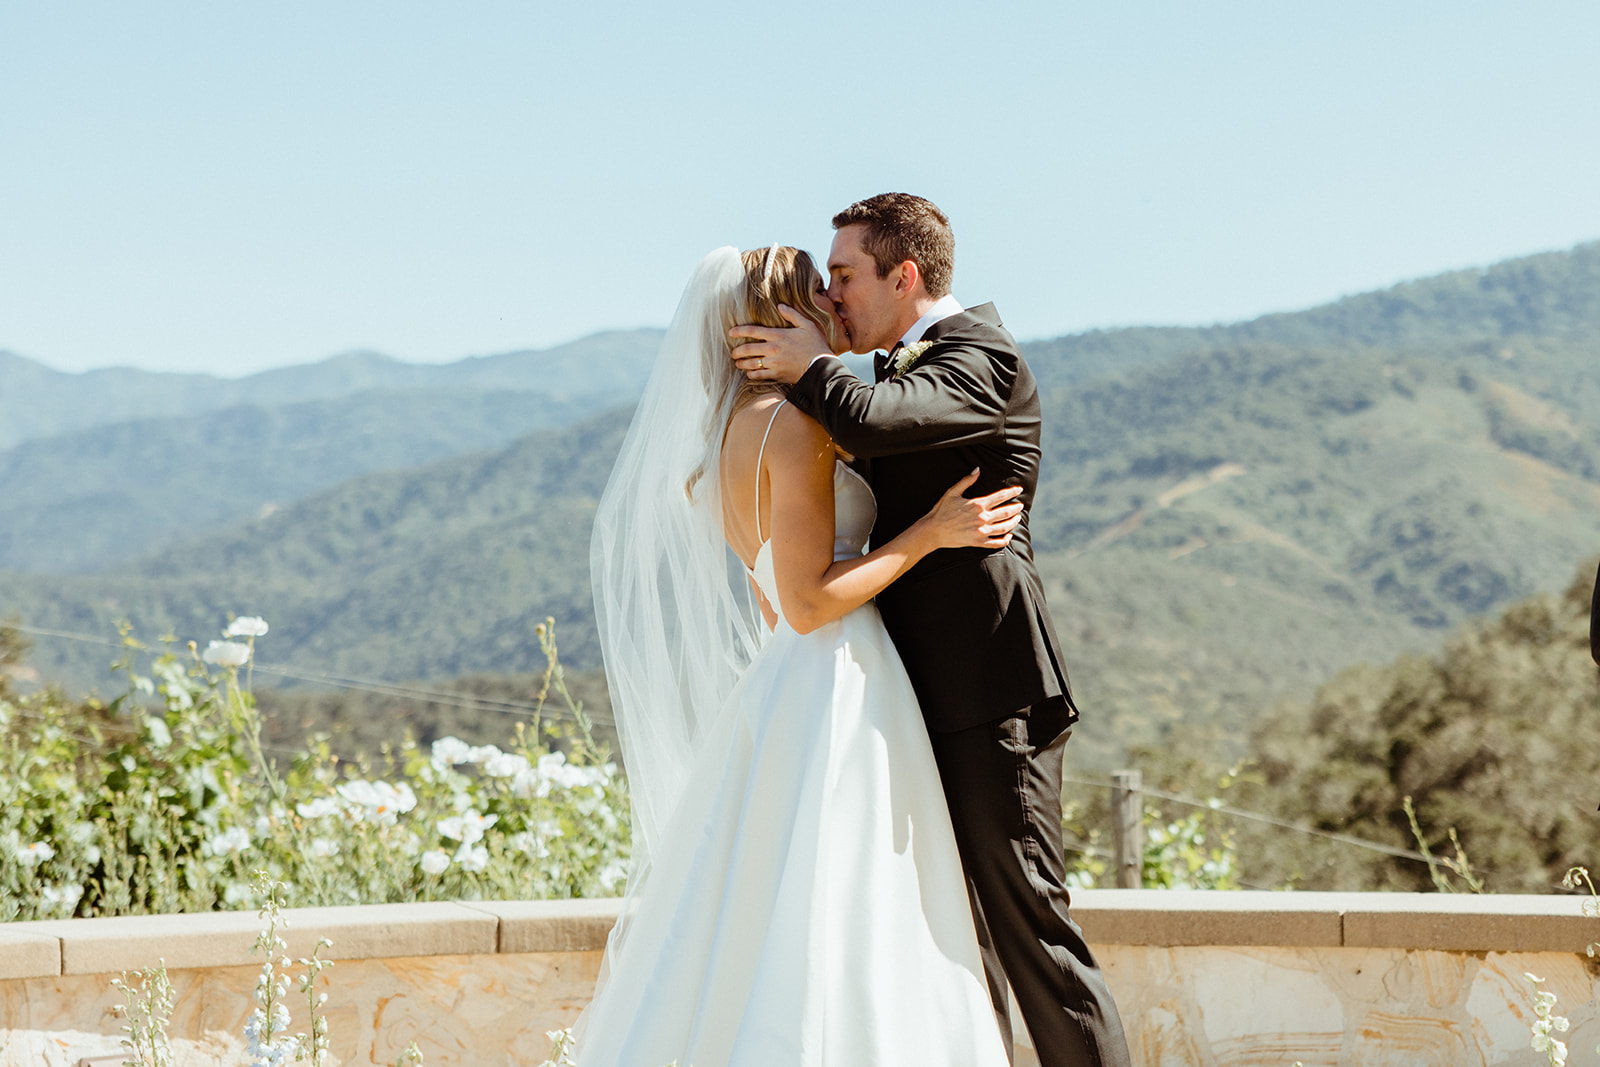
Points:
165	800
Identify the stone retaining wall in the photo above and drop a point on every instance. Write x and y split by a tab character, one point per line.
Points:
1212	979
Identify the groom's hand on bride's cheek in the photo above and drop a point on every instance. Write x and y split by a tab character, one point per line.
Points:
774	354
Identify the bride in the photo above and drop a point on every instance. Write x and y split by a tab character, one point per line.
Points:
796	896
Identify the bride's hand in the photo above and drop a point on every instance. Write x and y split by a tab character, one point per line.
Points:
979	522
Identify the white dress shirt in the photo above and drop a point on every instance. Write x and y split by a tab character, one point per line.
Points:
947	305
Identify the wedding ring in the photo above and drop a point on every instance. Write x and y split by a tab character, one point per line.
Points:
761	364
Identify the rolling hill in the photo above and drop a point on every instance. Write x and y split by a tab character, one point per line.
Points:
37	401
1218	530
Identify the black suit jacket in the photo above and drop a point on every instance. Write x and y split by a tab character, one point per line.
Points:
1594	621
970	623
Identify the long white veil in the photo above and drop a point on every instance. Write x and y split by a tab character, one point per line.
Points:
675	628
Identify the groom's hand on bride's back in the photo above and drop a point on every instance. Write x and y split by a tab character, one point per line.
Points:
774	354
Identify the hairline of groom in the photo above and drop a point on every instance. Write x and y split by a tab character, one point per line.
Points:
900	226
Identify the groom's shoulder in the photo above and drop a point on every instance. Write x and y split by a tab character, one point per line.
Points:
976	327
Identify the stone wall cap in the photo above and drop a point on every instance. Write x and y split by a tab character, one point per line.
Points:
1424	921
1461	922
27	954
224	938
1209	917
577	925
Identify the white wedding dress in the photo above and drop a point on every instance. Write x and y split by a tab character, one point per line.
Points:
806	906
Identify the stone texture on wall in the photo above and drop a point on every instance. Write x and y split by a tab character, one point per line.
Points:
1342	1007
465	1010
1202	979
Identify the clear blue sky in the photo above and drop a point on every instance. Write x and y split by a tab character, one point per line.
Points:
230	186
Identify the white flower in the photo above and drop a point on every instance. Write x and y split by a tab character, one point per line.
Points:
612	873
378	802
318	808
235	839
472	857
449	751
226	654
482	753
34	854
323	847
530	843
236	894
247	626
505	765
468	827
434	862
175	684
1546	1023
908	356
526	784
62	898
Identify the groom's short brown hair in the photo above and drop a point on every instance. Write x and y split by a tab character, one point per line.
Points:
899	227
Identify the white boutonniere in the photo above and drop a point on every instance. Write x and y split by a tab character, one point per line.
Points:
907	357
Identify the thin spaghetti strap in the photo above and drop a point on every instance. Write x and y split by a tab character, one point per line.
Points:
761	538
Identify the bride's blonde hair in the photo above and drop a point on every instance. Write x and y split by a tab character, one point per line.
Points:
777	274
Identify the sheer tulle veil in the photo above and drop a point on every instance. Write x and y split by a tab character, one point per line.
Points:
677	626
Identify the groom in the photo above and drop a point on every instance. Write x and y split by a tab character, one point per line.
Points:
970	623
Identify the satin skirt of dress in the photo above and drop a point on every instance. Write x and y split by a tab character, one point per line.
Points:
807	905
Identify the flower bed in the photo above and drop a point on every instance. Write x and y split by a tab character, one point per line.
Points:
166	801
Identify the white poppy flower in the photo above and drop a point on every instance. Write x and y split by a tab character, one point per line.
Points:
234	839
247	626
434	862
378	802
449	751
468	827
62	898
319	808
34	854
472	858
324	847
612	873
227	653
526	784
505	765
530	844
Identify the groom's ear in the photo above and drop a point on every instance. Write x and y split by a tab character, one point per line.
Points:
907	275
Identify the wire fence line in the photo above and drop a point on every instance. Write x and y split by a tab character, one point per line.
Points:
445	697
105	746
1270	820
526	709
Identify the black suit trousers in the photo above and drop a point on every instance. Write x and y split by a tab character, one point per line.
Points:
1003	783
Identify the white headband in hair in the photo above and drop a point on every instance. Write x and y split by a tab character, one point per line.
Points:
766	273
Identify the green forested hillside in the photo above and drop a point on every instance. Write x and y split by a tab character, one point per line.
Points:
1494	736
1556	294
1218	532
89	500
1234	528
426	573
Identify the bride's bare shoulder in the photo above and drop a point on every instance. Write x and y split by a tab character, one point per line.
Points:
781	425
797	437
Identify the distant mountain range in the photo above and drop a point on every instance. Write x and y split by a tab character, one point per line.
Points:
1227	516
36	401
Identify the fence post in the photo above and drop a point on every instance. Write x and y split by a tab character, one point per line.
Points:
1127	818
